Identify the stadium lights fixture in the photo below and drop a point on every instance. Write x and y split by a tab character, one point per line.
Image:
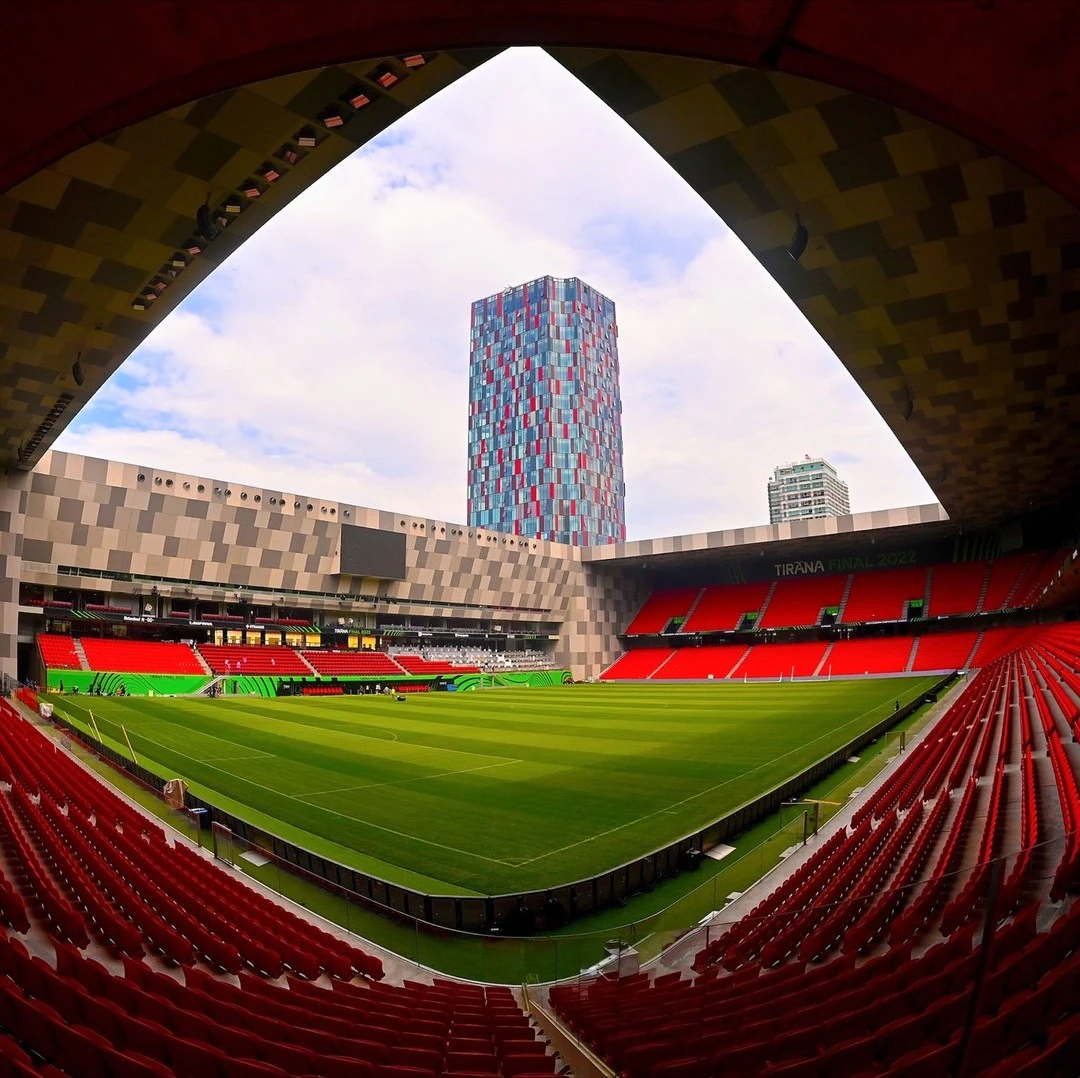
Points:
251	189
799	240
269	174
288	155
386	77
305	138
193	247
332	119
178	261
359	98
233	205
413	60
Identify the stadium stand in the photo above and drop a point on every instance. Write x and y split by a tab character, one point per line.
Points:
722	608
888	655
353	663
882	595
121	883
637	664
956	589
799	601
140	656
660	608
1005	575
704	662
783	660
899	874
58	652
944	651
241	659
415	664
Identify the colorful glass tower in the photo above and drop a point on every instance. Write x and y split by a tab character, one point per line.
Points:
545	414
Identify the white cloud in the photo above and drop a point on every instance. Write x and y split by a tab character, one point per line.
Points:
329	355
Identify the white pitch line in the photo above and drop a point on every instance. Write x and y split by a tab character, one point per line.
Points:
341	815
398	782
701	793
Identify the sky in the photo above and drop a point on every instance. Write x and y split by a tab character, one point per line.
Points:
329	355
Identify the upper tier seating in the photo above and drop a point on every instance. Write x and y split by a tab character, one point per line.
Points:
58	652
242	659
660	608
799	601
414	664
888	655
635	665
783	660
944	651
140	657
1005	575
722	608
350	663
955	589
881	595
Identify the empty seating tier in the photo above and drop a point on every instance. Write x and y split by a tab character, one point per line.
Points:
883	595
783	660
701	663
414	664
140	657
58	652
946	651
955	589
913	864
799	601
660	608
240	659
353	663
722	608
878	656
635	665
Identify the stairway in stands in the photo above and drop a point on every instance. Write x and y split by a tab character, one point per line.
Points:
765	605
690	612
76	643
844	598
985	588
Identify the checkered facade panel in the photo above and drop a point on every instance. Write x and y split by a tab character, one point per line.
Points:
96	249
945	278
545	414
127	522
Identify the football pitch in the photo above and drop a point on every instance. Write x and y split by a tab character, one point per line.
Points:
498	790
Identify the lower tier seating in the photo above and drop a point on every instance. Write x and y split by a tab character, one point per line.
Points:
240	659
835	971
353	663
140	656
58	652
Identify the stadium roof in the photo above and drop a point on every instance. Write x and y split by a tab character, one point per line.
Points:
944	275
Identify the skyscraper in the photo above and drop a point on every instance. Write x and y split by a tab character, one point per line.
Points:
806	489
545	414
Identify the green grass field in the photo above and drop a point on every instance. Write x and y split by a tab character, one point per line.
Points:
495	791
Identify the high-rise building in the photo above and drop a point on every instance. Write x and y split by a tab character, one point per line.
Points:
806	489
545	414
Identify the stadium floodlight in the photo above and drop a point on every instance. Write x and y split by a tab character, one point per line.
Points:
305	138
415	59
799	239
331	118
359	97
